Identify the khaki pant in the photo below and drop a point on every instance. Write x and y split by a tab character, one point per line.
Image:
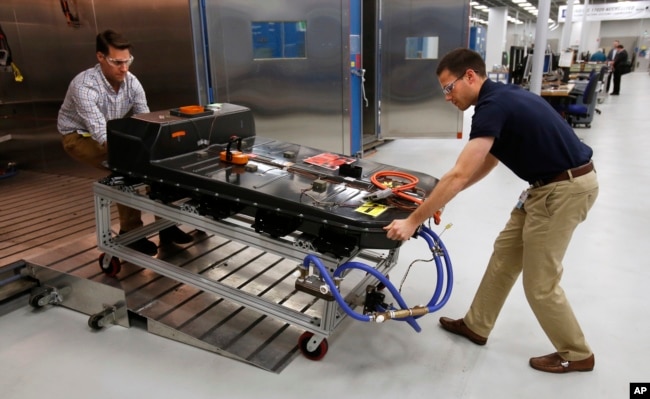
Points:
533	243
90	152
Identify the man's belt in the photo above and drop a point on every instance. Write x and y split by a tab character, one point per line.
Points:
79	132
566	175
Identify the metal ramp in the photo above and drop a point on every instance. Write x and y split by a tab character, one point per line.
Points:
183	313
24	283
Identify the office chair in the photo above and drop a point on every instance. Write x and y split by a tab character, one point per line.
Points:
581	110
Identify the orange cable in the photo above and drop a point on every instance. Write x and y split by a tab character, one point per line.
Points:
399	191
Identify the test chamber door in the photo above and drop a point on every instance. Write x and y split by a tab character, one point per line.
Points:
289	62
324	73
414	35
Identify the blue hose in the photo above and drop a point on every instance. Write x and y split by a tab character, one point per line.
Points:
435	305
437	249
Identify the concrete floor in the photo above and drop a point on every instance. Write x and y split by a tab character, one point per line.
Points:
52	353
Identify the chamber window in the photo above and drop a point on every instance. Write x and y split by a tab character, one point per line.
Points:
422	48
279	39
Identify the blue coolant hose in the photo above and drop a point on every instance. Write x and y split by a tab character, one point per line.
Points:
404	313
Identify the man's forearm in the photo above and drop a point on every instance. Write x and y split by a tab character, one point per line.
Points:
442	193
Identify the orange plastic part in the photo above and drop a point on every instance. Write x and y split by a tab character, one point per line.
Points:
234	157
192	109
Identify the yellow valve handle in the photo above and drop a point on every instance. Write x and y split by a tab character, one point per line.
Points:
18	77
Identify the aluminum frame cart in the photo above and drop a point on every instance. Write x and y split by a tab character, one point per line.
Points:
313	343
206	168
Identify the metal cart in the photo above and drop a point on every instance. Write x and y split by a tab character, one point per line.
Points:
319	322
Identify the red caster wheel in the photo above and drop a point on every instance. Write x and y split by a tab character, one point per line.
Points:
306	344
111	266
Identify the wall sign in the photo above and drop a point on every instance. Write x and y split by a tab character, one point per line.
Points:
608	11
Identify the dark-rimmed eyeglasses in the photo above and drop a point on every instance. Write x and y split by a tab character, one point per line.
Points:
449	87
119	63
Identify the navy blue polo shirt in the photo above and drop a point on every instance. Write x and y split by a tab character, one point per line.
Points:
530	137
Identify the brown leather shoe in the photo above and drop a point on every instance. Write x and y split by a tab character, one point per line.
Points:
459	327
553	363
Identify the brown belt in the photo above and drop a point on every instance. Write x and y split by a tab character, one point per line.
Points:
567	175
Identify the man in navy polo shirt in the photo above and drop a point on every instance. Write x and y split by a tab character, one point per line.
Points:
521	130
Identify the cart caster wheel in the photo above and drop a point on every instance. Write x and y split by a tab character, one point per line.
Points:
93	322
33	301
110	266
316	354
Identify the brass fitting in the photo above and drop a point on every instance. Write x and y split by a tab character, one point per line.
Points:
380	317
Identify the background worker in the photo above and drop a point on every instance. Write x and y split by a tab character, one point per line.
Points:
598	56
524	132
610	60
620	59
104	92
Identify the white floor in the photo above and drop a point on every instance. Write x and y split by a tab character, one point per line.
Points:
53	353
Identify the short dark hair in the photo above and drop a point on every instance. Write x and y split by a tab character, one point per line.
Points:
458	61
110	38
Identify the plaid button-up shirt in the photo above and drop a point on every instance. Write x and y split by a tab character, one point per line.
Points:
91	101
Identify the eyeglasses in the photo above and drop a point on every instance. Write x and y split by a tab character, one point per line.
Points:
119	63
448	88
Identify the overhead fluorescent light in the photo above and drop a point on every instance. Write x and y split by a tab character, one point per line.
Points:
523	5
518	1
480	7
474	3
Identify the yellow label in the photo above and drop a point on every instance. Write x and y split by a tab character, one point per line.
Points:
372	209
